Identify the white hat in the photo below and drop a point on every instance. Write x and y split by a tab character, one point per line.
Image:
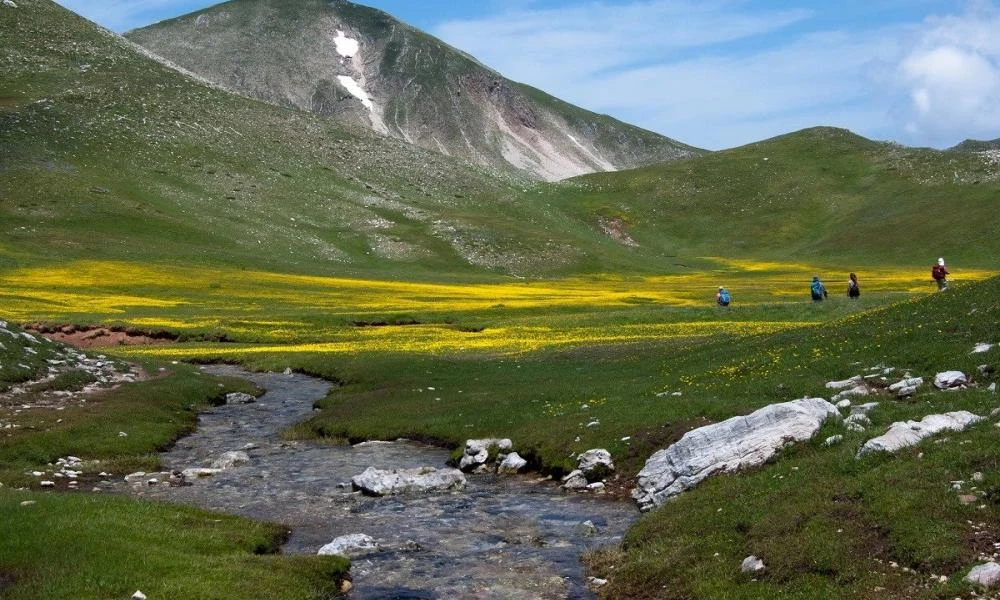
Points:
941	261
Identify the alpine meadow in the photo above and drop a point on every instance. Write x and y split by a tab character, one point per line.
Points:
316	190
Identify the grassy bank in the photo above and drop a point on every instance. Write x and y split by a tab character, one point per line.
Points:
90	546
79	545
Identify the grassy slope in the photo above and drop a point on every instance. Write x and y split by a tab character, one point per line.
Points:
820	195
826	524
173	170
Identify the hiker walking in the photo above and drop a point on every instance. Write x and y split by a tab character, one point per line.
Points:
817	289
940	275
853	291
723	298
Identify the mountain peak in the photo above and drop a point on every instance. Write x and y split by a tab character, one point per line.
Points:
362	66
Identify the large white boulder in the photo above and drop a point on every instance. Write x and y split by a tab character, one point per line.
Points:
908	433
731	445
377	482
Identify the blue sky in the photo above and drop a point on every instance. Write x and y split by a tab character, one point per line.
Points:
721	73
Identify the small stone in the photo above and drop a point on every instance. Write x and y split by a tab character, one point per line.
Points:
27	503
833	439
597	581
9	4
977	476
752	564
138	595
47	484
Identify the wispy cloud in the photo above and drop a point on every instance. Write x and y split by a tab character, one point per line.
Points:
716	75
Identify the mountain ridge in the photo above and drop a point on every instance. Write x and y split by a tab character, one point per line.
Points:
360	65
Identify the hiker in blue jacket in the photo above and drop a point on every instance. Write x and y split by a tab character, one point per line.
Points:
723	298
818	290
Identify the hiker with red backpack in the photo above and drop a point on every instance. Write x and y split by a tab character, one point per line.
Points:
940	275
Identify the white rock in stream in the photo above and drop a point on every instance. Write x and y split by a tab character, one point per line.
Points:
231	459
595	464
908	433
355	544
240	398
477	452
733	444
512	463
379	482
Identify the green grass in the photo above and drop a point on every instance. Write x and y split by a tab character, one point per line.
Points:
76	545
92	546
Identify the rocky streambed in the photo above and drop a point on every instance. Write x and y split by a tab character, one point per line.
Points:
500	537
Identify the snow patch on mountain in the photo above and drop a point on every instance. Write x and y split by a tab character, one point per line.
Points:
346	47
356	90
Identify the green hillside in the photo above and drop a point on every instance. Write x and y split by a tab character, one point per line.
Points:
820	195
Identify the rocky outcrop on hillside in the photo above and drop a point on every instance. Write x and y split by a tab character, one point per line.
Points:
359	65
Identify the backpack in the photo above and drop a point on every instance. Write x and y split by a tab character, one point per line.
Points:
817	289
724	298
937	272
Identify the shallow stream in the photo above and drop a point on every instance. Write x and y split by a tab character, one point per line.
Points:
509	537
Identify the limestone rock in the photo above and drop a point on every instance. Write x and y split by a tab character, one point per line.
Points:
138	595
853	392
377	482
512	463
199	472
355	544
9	4
950	379
576	480
477	452
906	386
982	347
733	444
986	574
231	459
847	383
908	433
240	398
833	440
596	464
752	564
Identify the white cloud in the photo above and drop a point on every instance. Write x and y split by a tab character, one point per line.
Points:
715	75
950	78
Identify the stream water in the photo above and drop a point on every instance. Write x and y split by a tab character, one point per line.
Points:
502	537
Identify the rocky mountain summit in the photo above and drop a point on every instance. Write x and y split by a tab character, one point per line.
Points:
362	66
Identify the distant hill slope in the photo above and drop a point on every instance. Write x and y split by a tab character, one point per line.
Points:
361	65
819	195
977	146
